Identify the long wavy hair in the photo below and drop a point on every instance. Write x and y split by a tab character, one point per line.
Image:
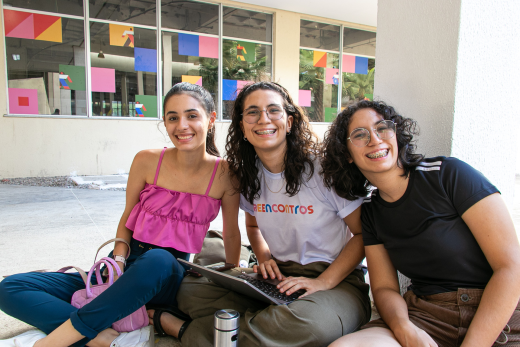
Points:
346	178
301	146
206	101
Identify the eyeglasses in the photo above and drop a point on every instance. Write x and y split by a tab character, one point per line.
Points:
360	137
252	116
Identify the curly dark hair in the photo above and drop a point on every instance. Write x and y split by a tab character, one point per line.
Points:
346	179
300	151
206	101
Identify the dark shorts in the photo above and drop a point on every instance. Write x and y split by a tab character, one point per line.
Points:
447	316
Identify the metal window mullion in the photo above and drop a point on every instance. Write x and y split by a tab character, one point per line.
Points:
158	37
86	25
220	66
340	67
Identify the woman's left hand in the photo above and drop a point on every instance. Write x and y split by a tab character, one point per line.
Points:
310	285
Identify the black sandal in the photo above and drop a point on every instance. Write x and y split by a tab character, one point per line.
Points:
174	312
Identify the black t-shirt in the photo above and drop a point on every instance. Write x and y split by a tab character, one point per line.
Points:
423	232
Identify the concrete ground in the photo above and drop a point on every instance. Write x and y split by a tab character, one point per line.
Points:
48	228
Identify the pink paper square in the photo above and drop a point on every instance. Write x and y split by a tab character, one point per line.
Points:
241	85
332	76
103	80
349	63
23	101
208	47
304	98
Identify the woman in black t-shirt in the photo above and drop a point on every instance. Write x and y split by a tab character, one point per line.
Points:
436	220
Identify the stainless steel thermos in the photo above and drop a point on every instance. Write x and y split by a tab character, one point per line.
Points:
226	328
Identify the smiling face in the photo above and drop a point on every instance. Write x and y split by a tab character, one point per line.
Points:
378	156
186	122
266	134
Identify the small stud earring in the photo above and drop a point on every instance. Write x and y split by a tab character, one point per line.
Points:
245	138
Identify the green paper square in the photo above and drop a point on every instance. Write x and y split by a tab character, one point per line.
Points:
150	103
247	51
76	75
330	114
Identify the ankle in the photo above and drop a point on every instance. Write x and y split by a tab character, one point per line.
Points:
104	338
171	324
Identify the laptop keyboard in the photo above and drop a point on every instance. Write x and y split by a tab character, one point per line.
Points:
271	290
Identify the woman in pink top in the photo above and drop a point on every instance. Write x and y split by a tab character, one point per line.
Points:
172	196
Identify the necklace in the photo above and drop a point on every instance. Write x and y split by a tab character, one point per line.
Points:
265	182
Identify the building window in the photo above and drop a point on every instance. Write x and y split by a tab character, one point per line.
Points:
71	7
45	64
127	11
246	52
358	65
320	78
190	58
123	72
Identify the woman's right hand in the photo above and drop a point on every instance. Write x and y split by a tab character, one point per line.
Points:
409	335
269	269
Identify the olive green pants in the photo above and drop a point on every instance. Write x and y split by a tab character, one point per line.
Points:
315	320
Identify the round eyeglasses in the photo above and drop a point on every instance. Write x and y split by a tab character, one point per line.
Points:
360	137
252	116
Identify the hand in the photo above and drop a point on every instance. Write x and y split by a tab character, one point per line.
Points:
409	335
269	269
310	285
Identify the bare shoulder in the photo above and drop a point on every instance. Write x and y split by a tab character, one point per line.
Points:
145	163
224	176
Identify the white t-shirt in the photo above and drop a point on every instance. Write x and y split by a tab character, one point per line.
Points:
304	228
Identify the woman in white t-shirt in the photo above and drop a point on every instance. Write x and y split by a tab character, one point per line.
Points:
297	228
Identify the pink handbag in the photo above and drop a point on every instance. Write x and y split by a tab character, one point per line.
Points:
134	321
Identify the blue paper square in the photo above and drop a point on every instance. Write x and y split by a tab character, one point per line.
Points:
229	89
362	65
188	45
145	59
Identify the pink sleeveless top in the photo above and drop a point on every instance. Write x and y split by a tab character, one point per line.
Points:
168	218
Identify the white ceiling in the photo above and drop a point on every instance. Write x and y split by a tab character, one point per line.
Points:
355	11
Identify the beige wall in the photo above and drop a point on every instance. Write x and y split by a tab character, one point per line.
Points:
45	146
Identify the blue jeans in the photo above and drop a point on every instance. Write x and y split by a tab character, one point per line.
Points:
152	276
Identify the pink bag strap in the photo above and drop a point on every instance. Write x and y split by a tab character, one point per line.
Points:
114	240
212	176
80	271
111	264
159	166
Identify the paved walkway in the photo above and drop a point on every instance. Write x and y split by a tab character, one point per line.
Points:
48	228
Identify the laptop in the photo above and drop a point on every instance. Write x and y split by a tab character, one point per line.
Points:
249	284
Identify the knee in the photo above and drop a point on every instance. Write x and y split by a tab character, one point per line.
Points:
8	287
160	262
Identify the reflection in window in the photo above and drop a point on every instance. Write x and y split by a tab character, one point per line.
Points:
190	16
359	42
190	58
319	79
358	79
124	70
45	67
319	35
73	7
250	25
243	63
129	11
